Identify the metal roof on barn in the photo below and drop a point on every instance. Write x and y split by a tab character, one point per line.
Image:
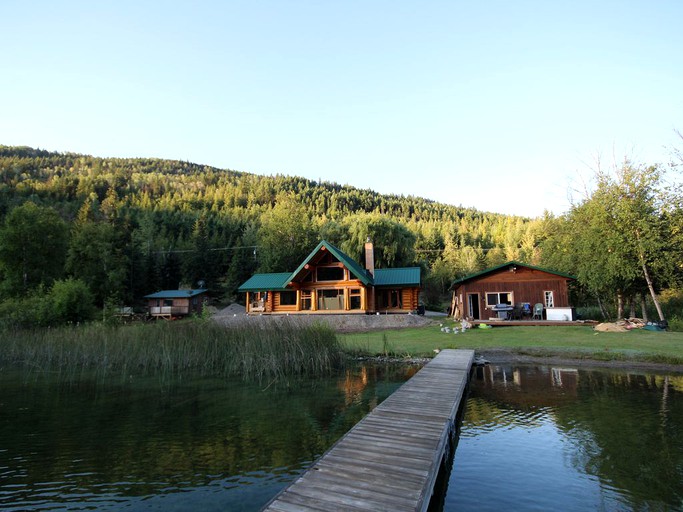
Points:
397	276
507	265
176	294
266	282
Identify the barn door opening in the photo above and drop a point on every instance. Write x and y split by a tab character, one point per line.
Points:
473	306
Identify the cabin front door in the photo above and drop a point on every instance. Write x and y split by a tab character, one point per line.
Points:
473	306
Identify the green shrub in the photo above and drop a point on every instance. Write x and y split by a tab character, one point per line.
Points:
26	312
589	313
67	301
676	323
71	301
672	304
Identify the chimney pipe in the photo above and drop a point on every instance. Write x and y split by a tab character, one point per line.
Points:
370	257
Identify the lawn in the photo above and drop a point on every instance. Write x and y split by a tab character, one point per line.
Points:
570	341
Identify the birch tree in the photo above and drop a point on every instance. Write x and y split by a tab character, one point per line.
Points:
620	233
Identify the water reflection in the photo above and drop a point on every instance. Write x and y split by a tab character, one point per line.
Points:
543	437
200	445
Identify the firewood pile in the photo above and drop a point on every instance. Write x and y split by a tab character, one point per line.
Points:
623	325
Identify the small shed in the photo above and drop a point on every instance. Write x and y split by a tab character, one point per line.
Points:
176	303
483	295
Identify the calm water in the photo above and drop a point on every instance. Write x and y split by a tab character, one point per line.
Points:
533	438
200	445
543	438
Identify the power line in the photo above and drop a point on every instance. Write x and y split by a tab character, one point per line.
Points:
178	251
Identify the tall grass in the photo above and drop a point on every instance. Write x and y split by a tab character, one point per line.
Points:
175	349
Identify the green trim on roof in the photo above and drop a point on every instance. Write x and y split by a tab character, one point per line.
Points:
355	268
504	265
397	276
175	294
266	282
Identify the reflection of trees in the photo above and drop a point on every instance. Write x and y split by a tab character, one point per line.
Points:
196	433
623	427
635	440
516	395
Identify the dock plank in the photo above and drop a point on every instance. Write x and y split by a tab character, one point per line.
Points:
391	458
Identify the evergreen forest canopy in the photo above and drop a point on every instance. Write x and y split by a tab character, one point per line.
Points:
79	232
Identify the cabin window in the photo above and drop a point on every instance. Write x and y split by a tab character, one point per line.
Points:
306	301
354	298
330	299
330	273
498	298
168	302
288	298
389	299
549	299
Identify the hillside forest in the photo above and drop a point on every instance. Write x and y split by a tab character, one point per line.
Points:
82	236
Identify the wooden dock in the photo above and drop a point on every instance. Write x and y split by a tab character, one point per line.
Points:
390	460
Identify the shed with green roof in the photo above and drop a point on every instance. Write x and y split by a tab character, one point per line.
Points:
176	303
513	291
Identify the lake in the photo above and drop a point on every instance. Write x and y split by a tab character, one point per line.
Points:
532	438
148	445
556	438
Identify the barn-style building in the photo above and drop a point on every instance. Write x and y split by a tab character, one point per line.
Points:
513	291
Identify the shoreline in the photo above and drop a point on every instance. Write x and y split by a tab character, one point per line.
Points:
502	356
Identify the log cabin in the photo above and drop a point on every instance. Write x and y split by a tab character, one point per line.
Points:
329	281
176	303
513	291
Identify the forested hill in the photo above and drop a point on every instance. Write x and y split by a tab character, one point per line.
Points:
68	176
132	226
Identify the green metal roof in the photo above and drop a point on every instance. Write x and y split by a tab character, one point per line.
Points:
383	276
355	268
175	294
505	265
265	282
397	276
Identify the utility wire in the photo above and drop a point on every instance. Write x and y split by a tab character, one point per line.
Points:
178	251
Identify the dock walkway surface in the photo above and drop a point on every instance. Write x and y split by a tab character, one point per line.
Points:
390	460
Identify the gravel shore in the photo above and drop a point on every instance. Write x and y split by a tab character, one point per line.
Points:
235	315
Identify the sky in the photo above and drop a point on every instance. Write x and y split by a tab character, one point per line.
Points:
503	106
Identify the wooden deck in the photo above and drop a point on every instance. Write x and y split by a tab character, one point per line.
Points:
391	458
534	323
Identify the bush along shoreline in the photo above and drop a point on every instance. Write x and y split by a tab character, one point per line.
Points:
175	350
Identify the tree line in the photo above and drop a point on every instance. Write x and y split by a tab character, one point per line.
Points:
111	230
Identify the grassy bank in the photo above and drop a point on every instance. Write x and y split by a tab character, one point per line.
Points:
570	341
173	349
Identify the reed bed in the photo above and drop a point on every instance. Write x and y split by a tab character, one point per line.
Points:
175	349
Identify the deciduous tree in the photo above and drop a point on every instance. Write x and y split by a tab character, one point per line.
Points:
33	244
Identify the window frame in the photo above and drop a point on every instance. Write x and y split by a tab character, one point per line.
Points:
291	298
548	294
510	298
329	268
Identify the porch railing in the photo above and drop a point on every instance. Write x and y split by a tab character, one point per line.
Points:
168	310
